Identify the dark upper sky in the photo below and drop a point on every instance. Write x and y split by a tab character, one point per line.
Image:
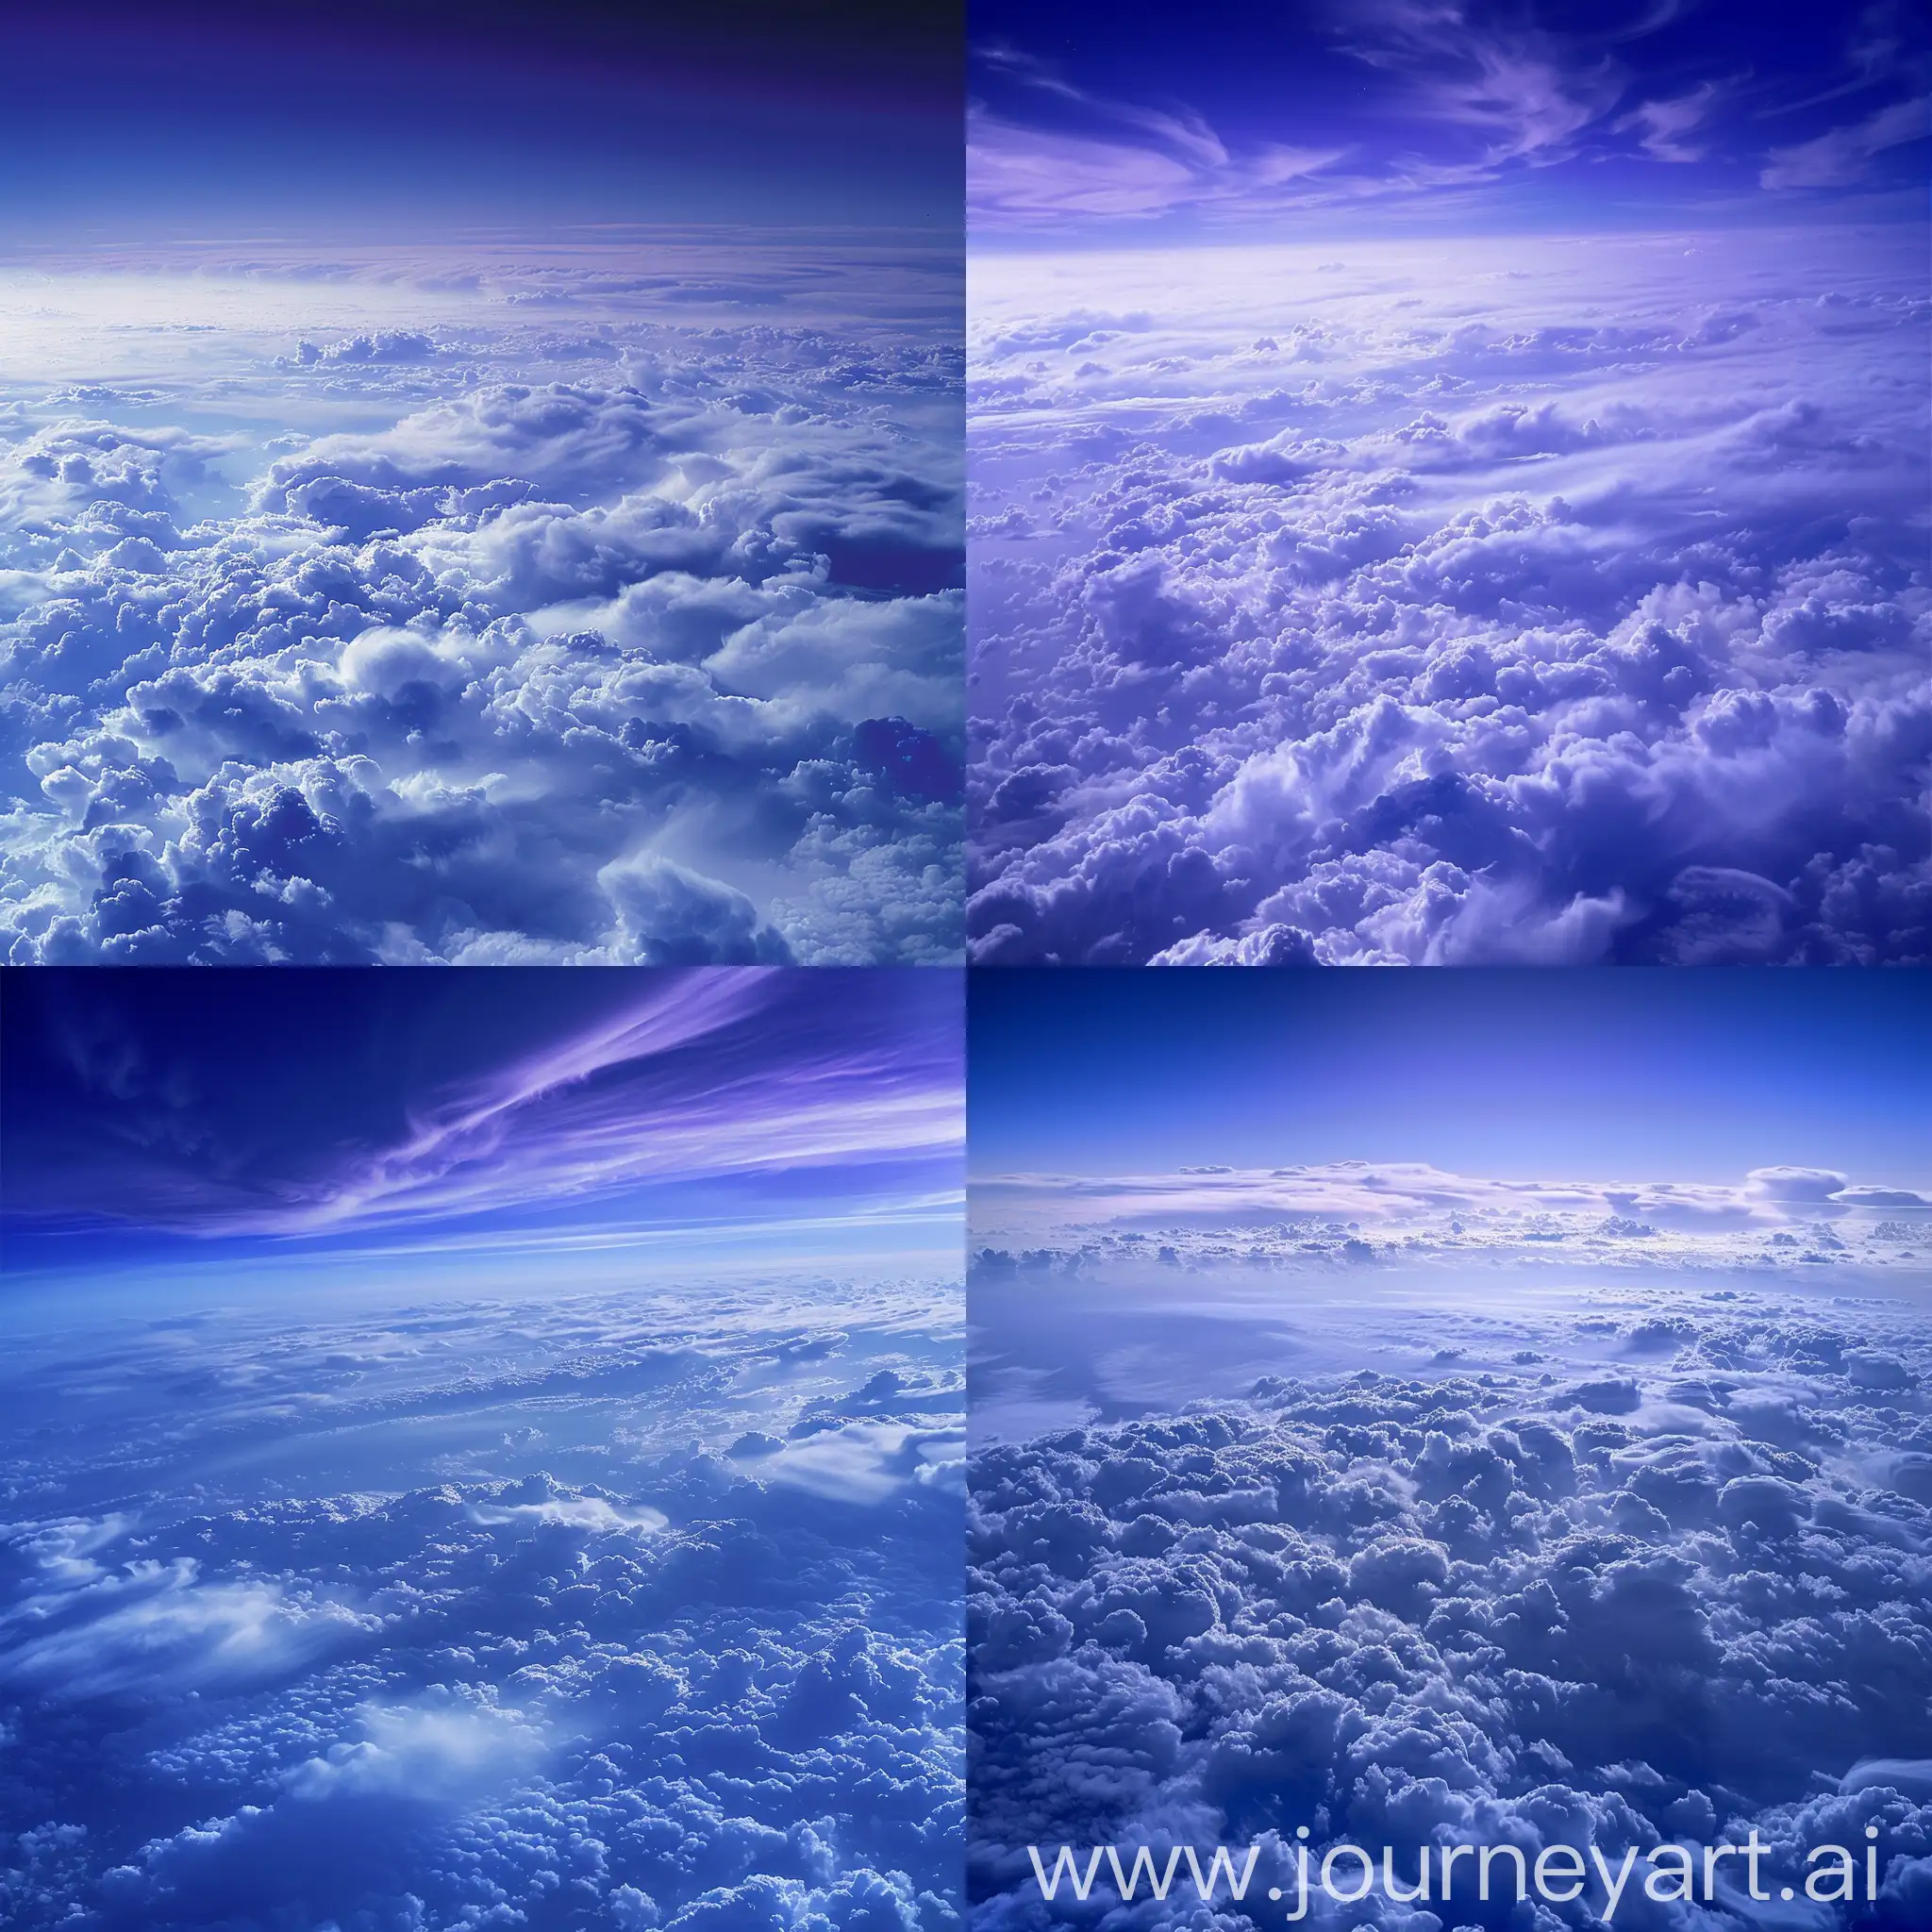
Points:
1114	116
1592	1075
409	117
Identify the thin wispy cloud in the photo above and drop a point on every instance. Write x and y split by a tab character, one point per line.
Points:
1184	131
1410	101
631	1108
1524	94
1843	158
1118	159
617	1107
1664	127
1028	175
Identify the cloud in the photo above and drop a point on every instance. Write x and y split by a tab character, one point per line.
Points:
1540	1589
1842	156
419	1753
158	1627
1797	1185
1523	93
1424	103
1663	126
619	1100
432	1678
1313	621
1022	175
1031	174
1295	1218
1186	132
594	1514
524	644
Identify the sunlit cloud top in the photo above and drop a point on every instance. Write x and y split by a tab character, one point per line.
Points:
1352	1213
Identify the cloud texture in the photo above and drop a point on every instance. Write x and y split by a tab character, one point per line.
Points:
1426	1553
427	1110
555	607
1284	1216
591	1610
1544	601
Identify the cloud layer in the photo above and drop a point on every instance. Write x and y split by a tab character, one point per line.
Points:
637	1610
564	607
1447	1558
1418	113
1392	1210
1545	602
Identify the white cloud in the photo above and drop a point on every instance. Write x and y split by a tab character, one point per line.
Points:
431	1612
1524	94
1842	156
1663	127
158	1627
1610	1561
1557	604
597	1514
1026	176
421	1753
510	630
1312	1216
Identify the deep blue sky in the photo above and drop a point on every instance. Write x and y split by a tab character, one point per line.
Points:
1689	1076
164	1113
1223	118
364	121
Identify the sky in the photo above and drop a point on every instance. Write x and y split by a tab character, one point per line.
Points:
1601	1075
1092	119
271	1124
360	120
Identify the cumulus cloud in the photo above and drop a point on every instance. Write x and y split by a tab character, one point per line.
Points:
1319	617
1352	1211
478	1612
633	638
1611	1568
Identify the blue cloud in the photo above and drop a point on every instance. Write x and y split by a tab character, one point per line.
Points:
1601	1567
